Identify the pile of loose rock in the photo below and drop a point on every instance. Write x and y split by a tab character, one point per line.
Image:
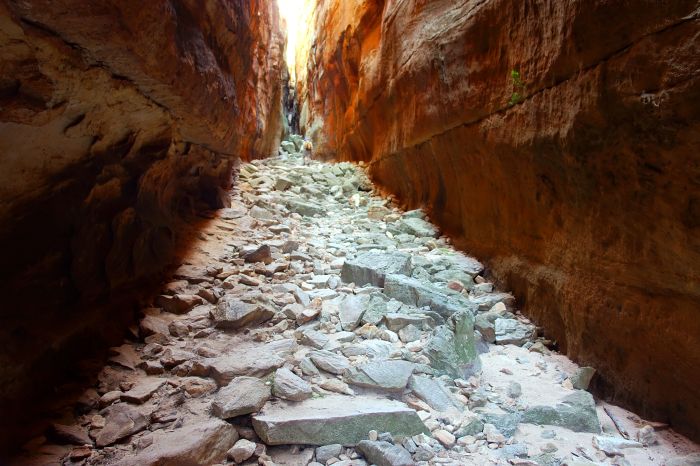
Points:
316	324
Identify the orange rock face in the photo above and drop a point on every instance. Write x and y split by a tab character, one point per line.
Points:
118	122
555	139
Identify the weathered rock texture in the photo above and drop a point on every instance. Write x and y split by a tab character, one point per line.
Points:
579	182
118	122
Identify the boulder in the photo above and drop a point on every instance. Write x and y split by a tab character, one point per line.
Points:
261	254
289	386
582	378
75	435
202	442
142	390
244	395
329	362
305	208
384	453
233	313
225	368
575	412
121	420
418	227
371	268
334	419
326	452
351	310
416	293
397	321
391	375
511	331
452	349
433	392
179	303
241	450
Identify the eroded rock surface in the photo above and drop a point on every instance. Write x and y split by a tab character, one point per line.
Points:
552	139
119	121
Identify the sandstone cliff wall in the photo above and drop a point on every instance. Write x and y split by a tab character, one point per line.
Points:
577	177
119	121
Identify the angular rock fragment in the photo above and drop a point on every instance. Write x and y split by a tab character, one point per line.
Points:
451	349
391	375
418	227
121	420
326	452
202	442
314	338
397	321
242	450
486	328
142	390
416	293
233	313
384	453
261	254
305	208
329	362
179	303
289	386
371	268
224	368
197	386
125	356
374	348
288	146
375	312
434	393
612	446
243	395
510	331
582	378
334	419
351	310
575	412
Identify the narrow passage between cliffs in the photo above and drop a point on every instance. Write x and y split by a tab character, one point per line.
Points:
316	323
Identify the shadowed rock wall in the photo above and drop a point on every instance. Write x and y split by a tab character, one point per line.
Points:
119	122
577	178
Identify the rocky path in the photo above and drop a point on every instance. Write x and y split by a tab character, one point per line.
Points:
315	323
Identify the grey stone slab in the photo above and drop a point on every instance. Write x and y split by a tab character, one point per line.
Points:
334	419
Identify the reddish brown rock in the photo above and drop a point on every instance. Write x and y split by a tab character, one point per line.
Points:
119	123
577	178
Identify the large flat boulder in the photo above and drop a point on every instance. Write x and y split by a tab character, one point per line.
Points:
417	293
371	268
575	412
334	419
224	368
